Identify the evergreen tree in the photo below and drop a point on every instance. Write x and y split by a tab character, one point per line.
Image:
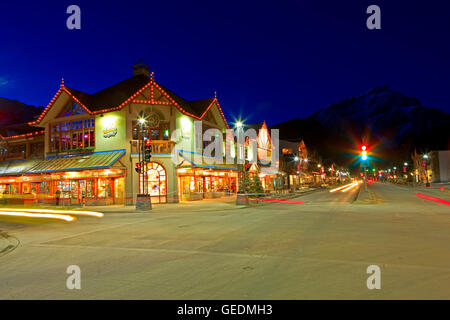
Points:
255	185
244	184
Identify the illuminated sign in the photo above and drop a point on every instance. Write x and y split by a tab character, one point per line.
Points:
109	127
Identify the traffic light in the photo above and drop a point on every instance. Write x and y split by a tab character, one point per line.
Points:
148	150
364	152
138	167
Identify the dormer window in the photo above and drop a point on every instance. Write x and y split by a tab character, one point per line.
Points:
72	109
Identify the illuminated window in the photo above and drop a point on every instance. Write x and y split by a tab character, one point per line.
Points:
72	109
72	135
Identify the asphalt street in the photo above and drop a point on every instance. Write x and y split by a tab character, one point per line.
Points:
317	250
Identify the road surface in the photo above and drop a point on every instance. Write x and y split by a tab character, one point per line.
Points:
317	250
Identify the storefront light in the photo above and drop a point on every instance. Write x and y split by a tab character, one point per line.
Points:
109	121
185	124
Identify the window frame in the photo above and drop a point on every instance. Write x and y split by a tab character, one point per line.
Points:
59	133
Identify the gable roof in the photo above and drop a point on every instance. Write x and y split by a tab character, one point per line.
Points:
119	95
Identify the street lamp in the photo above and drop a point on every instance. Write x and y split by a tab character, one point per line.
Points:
240	198
296	159
143	201
425	156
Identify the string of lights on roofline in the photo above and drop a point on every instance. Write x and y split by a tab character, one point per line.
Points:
152	84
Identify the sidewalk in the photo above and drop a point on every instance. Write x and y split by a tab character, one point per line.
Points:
218	204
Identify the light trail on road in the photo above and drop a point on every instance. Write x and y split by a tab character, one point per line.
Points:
70	212
342	187
38	215
275	200
350	187
433	199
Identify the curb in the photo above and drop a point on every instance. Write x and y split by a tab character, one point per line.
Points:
355	197
232	207
7	243
290	196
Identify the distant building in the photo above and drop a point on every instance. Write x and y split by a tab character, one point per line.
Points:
440	166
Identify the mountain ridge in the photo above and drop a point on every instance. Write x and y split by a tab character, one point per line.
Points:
381	117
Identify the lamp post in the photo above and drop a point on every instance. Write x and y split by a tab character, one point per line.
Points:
425	157
241	196
143	200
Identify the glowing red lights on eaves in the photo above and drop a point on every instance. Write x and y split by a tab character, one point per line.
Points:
131	99
24	135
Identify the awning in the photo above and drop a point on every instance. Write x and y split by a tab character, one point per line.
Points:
16	167
190	163
95	160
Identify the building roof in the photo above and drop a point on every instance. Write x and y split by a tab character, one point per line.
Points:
118	95
112	96
19	131
16	167
95	160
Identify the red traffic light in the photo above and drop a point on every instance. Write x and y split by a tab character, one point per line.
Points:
148	142
138	167
364	147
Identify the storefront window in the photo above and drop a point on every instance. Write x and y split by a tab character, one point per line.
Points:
90	188
104	188
64	188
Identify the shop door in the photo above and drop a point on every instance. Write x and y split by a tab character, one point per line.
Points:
157	183
119	190
82	192
74	192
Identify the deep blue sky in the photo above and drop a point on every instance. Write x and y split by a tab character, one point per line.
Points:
267	60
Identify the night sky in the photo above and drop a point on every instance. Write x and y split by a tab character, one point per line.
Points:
267	60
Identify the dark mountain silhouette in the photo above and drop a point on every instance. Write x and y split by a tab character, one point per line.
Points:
391	124
14	112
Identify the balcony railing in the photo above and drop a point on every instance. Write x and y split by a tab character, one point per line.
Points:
158	146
